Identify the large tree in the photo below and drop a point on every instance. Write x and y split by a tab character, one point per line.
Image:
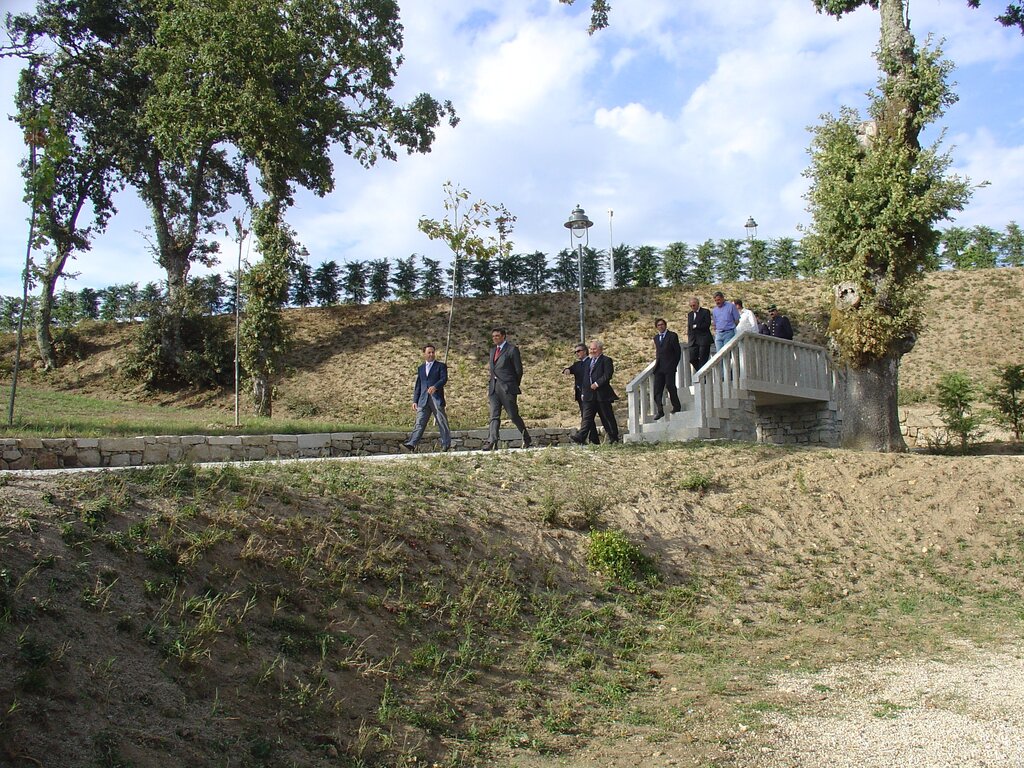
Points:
102	50
876	195
282	82
71	178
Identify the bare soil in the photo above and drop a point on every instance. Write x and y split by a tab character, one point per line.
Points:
441	610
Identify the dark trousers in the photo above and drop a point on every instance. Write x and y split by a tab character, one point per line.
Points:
501	399
663	381
588	429
699	354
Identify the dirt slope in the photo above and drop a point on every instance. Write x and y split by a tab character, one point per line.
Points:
444	610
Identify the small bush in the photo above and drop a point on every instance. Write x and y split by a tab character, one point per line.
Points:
617	558
956	396
173	352
1007	395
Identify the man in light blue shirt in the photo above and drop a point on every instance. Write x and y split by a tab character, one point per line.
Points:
726	317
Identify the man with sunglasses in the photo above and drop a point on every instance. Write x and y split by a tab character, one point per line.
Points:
578	370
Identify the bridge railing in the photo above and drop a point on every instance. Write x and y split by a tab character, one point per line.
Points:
750	362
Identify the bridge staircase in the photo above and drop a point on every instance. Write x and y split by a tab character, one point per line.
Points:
756	387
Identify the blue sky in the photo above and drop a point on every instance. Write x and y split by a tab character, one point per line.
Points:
682	118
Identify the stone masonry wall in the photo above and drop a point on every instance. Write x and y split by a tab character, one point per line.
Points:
56	453
801	424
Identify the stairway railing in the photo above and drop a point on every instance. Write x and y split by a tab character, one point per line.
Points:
750	362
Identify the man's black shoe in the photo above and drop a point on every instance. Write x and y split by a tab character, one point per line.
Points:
576	439
676	409
445	448
659	415
527	440
408	447
487	447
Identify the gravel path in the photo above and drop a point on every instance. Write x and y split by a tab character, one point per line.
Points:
958	713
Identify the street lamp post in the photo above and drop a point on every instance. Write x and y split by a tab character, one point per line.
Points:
611	247
579	226
751	227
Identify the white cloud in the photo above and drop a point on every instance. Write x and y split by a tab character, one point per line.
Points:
684	118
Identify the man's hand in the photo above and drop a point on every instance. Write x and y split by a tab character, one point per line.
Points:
431	390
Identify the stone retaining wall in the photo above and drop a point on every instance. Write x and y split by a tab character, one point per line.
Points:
56	453
799	424
815	424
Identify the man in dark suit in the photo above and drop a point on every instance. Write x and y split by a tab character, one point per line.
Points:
666	362
579	371
598	396
698	334
506	373
428	399
778	324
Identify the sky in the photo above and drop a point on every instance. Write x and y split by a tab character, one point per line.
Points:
677	123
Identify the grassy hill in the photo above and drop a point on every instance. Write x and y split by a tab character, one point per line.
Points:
355	364
612	606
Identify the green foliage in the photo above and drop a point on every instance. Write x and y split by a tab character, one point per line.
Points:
875	196
1007	396
618	559
464	229
203	356
956	396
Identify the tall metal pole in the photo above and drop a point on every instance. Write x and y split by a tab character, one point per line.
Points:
579	226
611	246
238	304
583	325
33	138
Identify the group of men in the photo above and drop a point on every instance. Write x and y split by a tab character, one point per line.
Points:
592	373
727	318
506	373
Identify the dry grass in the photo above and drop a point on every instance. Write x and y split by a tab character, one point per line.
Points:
356	364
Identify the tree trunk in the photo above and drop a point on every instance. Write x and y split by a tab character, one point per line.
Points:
44	338
869	407
261	398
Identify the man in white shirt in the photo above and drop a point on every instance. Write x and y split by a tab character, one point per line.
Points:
748	320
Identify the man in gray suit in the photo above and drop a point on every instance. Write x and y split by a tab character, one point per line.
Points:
506	372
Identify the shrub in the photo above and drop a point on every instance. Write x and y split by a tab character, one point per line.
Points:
1007	395
956	396
172	352
617	558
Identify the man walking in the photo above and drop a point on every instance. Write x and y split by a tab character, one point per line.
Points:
598	397
506	373
698	334
778	324
580	371
726	317
666	362
428	399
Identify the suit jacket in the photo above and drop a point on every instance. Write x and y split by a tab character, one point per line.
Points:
600	374
506	371
579	374
698	326
780	327
667	353
438	378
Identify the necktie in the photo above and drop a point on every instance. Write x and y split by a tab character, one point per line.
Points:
497	351
661	338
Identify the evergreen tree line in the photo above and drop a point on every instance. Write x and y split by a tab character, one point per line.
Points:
356	282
